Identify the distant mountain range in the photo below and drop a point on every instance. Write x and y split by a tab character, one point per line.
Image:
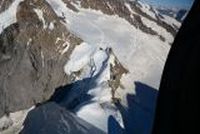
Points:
178	14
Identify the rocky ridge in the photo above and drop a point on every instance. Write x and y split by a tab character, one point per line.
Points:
37	52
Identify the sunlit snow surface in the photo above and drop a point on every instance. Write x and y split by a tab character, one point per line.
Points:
142	54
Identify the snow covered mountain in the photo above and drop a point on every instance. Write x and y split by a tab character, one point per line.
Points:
178	14
93	52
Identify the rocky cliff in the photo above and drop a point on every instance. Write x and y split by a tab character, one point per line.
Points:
85	55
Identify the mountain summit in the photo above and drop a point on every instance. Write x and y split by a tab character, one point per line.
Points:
84	55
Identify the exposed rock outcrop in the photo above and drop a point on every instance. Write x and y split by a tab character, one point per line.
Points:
33	52
4	4
118	7
91	50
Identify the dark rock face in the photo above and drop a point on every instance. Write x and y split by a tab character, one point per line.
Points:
32	57
4	4
117	7
178	101
50	118
158	20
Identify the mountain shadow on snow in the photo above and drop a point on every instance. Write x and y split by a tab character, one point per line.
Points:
139	114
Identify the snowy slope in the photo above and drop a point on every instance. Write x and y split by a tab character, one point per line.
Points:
57	120
177	13
104	31
141	54
114	54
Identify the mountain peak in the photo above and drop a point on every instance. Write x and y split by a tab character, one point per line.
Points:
85	55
